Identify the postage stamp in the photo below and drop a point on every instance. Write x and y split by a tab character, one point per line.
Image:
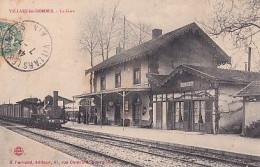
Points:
26	46
14	37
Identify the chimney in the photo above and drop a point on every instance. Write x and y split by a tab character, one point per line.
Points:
249	58
156	33
55	99
119	49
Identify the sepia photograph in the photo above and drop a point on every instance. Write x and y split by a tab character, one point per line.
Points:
129	83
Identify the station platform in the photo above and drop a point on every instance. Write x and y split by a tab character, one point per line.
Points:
223	143
34	154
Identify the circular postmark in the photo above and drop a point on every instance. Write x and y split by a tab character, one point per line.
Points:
26	46
18	151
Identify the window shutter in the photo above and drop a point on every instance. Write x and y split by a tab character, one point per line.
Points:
208	110
170	115
186	115
186	111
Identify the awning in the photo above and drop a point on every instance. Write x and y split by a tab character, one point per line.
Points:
116	90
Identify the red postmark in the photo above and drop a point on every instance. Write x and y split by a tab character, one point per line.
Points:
18	151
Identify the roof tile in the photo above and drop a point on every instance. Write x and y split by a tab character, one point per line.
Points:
149	46
219	75
253	89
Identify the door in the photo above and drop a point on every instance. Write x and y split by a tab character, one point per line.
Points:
208	115
159	115
103	114
199	115
137	113
178	115
170	118
91	115
188	115
117	114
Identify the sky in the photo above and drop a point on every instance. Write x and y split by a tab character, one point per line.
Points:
66	67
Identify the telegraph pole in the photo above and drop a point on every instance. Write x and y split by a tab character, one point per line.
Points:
124	35
249	59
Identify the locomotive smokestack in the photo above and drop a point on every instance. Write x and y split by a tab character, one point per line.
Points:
55	99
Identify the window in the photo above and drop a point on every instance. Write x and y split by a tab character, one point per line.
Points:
199	111
196	109
179	111
103	83
202	112
137	76
118	80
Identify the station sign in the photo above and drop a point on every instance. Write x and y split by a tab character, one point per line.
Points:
186	84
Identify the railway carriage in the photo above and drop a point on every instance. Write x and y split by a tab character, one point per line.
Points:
34	112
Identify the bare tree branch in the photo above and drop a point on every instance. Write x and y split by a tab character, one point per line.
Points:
239	19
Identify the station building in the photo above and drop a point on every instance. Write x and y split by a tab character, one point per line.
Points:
251	102
171	82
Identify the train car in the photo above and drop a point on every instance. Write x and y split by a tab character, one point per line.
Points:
33	112
6	111
25	109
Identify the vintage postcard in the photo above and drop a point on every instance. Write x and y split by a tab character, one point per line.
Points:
129	83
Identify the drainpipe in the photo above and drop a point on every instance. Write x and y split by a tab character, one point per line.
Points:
217	114
86	118
101	101
244	116
123	110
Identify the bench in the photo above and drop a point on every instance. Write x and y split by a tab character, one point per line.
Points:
145	124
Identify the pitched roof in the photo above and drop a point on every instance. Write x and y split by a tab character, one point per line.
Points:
29	101
60	98
229	75
219	75
156	78
253	89
150	46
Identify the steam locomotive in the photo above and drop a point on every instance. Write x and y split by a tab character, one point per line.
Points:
35	113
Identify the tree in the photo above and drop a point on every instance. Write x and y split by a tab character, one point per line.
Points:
108	27
238	19
89	38
105	28
98	34
137	34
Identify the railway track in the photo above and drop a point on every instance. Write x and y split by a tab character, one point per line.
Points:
84	154
174	155
158	149
128	156
122	157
